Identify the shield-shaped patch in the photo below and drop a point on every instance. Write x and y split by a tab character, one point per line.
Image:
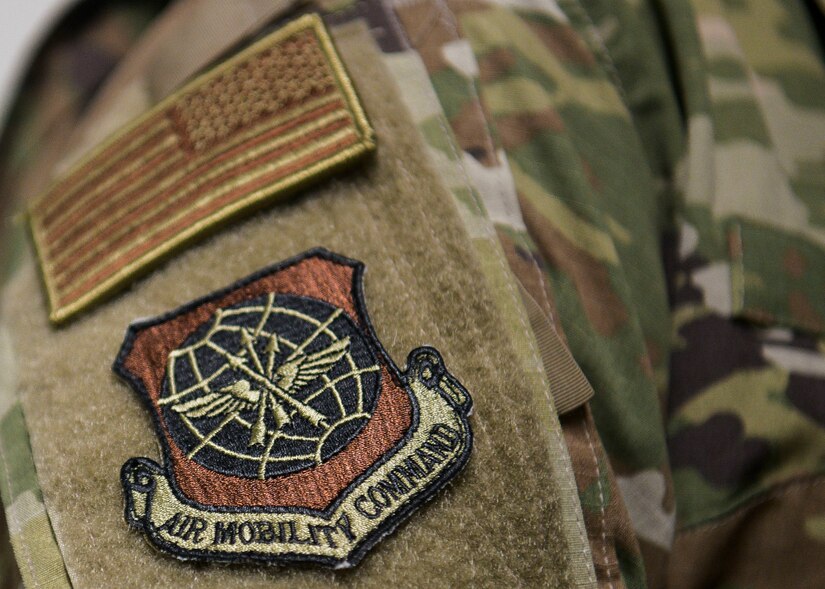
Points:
288	433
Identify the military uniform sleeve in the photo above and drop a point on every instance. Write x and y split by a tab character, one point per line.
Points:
442	293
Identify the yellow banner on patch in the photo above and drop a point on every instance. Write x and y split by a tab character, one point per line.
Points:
279	115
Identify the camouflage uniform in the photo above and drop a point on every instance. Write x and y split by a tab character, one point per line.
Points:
641	181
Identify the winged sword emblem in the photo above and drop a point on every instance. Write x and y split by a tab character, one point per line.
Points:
287	430
266	387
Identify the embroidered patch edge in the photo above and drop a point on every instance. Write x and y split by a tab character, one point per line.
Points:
140	476
366	144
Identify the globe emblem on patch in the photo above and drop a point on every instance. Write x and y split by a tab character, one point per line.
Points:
288	432
270	386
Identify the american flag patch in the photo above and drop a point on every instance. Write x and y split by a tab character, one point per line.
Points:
279	115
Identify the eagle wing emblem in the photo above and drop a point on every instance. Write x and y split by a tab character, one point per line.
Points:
239	396
296	373
291	376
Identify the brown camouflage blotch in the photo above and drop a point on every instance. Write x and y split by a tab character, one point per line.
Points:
655	353
656	561
763	545
646	365
591	176
428	28
669	500
794	263
517	130
470	129
608	528
803	311
495	64
759	315
427	31
604	309
734	239
564	42
531	276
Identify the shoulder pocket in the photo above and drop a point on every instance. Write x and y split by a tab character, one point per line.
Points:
777	276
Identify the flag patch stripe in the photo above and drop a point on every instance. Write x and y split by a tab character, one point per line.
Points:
277	116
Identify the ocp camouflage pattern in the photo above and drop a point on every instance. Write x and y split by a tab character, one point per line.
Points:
652	175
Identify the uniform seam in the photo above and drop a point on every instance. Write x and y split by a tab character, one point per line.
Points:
23	545
579	524
601	507
395	261
599	46
431	232
543	289
420	209
804	482
444	10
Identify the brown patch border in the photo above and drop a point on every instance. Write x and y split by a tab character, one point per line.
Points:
148	354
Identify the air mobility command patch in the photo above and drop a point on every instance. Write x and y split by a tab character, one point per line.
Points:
272	119
288	433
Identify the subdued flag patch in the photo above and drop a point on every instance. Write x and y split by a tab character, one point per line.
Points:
279	115
288	433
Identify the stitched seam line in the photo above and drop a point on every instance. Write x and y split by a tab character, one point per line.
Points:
23	545
507	272
525	328
599	46
601	507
